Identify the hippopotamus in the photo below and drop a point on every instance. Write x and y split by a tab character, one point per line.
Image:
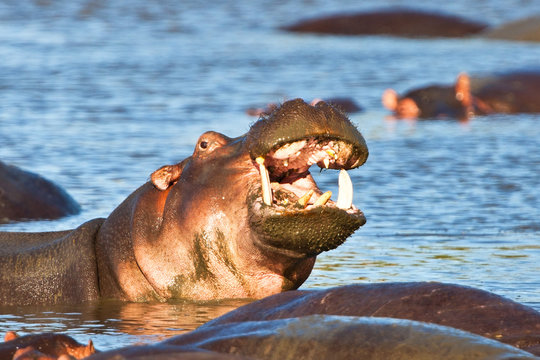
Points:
28	196
527	29
239	218
394	21
450	305
326	337
43	346
371	321
508	93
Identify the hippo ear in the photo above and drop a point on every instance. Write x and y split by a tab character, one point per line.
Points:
10	335
463	91
167	175
390	99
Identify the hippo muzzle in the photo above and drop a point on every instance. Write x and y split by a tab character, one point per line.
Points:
288	210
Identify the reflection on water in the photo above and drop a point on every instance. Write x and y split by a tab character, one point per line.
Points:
113	324
95	95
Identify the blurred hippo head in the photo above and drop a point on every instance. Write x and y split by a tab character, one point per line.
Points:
433	101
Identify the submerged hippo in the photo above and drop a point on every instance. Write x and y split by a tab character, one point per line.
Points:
28	196
361	321
365	321
395	22
241	217
511	93
527	29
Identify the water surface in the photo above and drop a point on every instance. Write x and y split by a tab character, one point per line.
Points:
96	95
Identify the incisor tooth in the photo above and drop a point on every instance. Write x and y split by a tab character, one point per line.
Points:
345	194
326	162
323	199
303	201
265	182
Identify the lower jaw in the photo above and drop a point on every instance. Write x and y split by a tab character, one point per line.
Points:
305	233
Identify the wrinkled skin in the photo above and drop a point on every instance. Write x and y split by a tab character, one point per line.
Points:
509	93
394	22
207	233
27	196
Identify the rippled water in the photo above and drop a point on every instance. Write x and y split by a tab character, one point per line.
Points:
96	95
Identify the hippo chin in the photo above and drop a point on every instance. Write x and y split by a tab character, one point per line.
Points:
241	217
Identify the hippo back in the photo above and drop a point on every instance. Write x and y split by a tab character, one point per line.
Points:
49	267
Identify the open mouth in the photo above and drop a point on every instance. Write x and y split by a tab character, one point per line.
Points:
287	183
292	209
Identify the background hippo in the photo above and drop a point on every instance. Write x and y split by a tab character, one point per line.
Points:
28	196
510	93
527	29
394	21
243	218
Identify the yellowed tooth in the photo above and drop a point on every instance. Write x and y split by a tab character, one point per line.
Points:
323	199
332	153
326	162
286	162
303	201
265	181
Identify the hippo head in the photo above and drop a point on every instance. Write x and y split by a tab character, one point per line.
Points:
243	217
432	101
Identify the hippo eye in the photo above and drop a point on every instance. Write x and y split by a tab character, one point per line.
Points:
203	144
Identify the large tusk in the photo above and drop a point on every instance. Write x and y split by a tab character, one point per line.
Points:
345	194
265	182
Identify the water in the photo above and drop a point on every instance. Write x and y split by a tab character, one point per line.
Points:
96	95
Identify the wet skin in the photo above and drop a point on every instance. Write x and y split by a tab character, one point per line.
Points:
473	310
509	93
205	229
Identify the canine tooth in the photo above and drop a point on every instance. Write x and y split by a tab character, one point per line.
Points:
265	181
303	201
323	199
345	194
286	162
326	162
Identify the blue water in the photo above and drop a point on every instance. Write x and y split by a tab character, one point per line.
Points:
96	95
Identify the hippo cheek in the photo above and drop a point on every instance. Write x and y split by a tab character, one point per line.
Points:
288	211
